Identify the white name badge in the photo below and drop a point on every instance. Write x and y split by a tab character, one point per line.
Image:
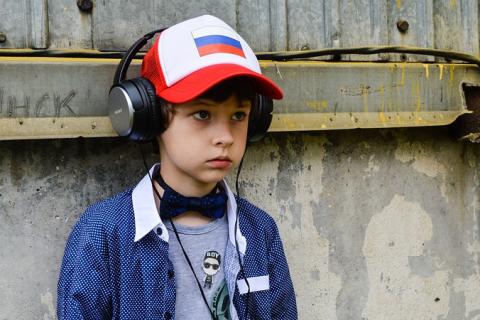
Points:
256	284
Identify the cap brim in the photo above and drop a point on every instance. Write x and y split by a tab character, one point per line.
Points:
200	81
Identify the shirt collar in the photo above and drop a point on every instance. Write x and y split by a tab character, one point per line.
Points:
147	217
144	208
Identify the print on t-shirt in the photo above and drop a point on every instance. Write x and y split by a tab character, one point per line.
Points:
211	264
221	303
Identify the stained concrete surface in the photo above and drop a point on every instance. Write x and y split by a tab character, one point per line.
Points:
377	224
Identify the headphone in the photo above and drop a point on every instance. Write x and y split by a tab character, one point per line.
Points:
134	108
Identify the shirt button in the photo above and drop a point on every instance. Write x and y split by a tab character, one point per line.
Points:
167	316
171	273
159	231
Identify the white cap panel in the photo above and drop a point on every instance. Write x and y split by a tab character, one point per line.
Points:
179	55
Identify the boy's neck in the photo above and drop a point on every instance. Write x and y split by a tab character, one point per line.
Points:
188	218
192	219
185	185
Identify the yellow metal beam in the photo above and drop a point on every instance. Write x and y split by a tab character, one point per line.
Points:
45	97
50	128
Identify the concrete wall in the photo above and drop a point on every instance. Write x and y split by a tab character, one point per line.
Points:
377	224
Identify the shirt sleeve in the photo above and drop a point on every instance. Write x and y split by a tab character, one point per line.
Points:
82	291
282	294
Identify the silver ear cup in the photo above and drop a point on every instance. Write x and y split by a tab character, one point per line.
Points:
120	111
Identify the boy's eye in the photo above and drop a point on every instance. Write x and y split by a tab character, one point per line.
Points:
201	115
239	116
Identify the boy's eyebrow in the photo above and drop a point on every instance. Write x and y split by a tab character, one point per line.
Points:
245	104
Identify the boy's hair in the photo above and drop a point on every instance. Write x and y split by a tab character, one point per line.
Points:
241	87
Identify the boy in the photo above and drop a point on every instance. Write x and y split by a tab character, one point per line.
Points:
143	253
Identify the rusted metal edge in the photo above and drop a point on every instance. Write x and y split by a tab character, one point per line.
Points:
355	120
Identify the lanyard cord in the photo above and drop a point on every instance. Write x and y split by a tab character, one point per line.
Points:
193	271
214	317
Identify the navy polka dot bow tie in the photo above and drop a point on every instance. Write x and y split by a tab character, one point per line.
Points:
173	203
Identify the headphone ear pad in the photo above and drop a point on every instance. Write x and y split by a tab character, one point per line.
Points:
151	123
260	118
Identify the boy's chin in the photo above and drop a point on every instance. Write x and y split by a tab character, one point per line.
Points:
214	177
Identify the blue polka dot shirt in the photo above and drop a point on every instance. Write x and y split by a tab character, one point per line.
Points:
116	263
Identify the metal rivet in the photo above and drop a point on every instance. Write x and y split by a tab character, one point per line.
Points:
402	26
3	37
85	5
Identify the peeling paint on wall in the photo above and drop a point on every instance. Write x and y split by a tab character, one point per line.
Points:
470	287
396	292
293	169
47	300
372	165
420	156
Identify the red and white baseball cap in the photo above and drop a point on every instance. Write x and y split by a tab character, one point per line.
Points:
191	57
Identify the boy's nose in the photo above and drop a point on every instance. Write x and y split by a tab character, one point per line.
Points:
223	134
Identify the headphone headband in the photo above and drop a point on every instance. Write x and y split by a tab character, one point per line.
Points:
127	58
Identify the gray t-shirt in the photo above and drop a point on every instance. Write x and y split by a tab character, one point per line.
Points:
205	246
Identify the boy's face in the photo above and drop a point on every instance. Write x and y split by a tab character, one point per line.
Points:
203	142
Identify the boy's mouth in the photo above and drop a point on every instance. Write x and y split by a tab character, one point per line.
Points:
220	163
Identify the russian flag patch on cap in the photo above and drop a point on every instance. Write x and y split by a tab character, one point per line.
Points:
210	40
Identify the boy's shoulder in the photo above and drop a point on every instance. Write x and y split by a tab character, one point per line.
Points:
108	214
256	217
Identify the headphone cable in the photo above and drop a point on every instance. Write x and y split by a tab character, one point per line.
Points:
242	270
448	55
